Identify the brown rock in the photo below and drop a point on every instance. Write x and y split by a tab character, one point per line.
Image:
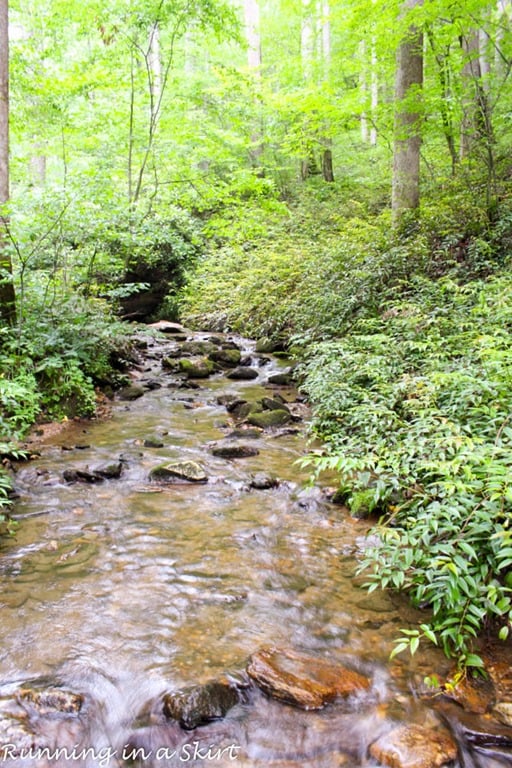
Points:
475	694
304	681
414	746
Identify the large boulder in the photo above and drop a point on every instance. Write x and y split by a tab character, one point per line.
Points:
304	681
414	746
200	704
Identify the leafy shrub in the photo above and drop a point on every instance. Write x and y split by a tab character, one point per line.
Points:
415	407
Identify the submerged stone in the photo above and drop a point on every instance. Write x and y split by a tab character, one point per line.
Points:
200	704
179	470
234	450
51	700
304	681
414	746
263	481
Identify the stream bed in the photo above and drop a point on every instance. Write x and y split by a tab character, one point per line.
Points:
122	590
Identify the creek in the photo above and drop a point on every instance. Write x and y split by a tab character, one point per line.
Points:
125	589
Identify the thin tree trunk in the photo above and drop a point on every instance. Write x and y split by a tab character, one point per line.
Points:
407	143
7	295
254	61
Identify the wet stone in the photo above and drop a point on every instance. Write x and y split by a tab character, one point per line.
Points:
244	433
110	471
414	746
274	403
81	476
132	392
503	712
200	704
232	450
243	373
51	700
283	379
189	471
197	369
475	694
267	419
304	681
226	357
263	481
153	442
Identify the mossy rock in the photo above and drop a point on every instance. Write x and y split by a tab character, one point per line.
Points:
268	419
196	348
274	404
132	392
228	357
197	369
189	471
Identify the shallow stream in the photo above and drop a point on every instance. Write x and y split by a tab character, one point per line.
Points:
125	589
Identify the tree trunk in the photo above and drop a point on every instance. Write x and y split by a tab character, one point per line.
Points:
7	295
254	60
407	141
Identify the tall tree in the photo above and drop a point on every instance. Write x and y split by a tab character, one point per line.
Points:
407	138
7	295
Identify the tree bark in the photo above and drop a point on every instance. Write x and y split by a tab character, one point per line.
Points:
407	141
7	295
254	61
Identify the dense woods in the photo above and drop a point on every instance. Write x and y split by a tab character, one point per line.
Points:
334	177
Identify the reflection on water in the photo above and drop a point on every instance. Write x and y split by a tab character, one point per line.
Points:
123	589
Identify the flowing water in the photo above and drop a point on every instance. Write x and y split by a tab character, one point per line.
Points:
125	589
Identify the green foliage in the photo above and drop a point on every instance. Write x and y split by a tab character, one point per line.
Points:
415	407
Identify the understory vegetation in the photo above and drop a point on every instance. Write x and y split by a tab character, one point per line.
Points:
404	349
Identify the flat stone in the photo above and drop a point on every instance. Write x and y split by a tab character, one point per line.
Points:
266	419
274	404
414	746
179	470
51	700
200	704
165	326
153	442
304	681
234	450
